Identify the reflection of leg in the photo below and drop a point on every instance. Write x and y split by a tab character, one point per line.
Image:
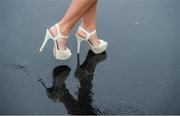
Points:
58	92
60	74
85	97
68	100
84	73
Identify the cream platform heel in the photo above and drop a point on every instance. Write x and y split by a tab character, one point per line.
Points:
96	49
58	54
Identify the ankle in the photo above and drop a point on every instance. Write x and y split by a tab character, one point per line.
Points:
64	28
88	28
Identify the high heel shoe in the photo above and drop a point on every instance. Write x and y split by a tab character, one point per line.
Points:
58	54
96	49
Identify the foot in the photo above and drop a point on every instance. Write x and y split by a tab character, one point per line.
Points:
62	42
94	38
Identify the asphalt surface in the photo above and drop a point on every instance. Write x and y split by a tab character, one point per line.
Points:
138	74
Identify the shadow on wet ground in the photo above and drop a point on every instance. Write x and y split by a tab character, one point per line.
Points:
138	74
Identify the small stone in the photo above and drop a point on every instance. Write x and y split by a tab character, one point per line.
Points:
171	10
139	82
137	23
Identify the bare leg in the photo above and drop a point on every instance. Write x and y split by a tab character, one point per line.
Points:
76	9
89	23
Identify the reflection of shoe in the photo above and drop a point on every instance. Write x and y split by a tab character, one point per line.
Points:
58	54
89	65
60	74
96	49
58	88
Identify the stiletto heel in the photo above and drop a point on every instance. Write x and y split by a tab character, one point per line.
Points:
47	37
78	45
58	54
96	49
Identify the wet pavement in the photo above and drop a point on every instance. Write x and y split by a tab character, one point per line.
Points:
138	74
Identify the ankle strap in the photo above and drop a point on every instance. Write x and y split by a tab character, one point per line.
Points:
88	34
59	33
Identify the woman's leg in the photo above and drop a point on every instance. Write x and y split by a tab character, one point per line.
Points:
76	9
89	23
